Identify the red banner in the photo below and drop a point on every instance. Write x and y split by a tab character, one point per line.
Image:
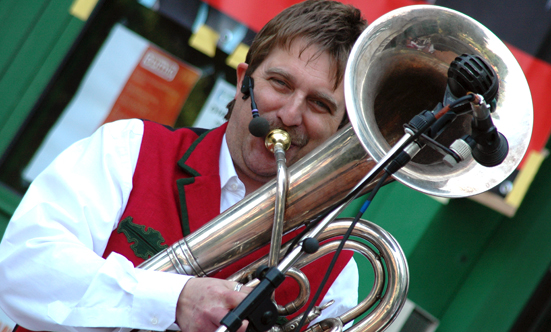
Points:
255	14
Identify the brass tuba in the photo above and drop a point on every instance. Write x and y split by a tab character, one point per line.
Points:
397	68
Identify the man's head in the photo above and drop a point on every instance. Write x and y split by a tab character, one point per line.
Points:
330	25
297	62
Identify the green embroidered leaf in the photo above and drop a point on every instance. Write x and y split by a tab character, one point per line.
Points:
144	243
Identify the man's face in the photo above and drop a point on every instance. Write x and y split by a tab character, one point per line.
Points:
293	91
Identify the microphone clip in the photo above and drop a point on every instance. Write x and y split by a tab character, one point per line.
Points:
247	90
491	146
258	127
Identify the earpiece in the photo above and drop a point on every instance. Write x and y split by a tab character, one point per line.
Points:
247	86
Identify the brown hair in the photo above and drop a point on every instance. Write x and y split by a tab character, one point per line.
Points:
330	25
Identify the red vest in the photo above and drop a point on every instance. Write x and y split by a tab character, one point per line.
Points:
176	190
177	187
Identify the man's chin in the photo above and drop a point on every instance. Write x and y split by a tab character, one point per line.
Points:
262	167
261	173
264	175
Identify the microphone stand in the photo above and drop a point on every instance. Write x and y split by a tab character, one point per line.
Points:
258	307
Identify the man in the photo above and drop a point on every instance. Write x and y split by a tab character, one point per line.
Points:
66	262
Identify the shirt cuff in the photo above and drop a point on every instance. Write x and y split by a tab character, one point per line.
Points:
123	296
157	296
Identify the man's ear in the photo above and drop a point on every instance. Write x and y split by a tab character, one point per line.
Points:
241	69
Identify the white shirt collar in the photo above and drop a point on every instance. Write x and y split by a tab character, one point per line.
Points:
232	189
227	170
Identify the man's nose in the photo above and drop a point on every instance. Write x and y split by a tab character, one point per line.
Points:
291	113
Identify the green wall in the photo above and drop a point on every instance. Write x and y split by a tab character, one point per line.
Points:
471	267
35	36
513	261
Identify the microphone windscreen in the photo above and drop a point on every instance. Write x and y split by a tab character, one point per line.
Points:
259	127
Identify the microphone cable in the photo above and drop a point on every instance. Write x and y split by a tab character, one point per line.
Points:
395	164
362	210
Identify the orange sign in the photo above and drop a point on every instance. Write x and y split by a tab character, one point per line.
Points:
156	90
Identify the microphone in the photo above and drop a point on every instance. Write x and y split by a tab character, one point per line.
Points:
258	127
472	74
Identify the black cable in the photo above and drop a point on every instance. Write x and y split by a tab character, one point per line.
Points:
306	229
341	246
422	122
461	100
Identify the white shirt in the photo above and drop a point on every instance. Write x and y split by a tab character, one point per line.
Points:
233	190
59	232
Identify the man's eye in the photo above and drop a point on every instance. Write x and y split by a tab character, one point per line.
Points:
279	82
322	105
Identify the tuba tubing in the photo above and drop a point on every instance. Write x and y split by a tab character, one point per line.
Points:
314	188
394	270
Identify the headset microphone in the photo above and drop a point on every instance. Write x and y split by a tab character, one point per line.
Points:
258	126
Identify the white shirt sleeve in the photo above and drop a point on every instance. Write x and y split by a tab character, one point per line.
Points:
52	275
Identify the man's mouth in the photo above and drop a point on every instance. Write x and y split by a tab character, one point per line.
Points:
298	137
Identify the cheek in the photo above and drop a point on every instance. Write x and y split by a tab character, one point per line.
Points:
244	116
268	100
321	127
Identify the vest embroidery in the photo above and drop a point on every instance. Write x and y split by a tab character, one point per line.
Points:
145	244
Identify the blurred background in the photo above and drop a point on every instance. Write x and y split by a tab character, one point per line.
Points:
67	66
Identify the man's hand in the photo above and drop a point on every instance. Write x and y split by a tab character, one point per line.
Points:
205	301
